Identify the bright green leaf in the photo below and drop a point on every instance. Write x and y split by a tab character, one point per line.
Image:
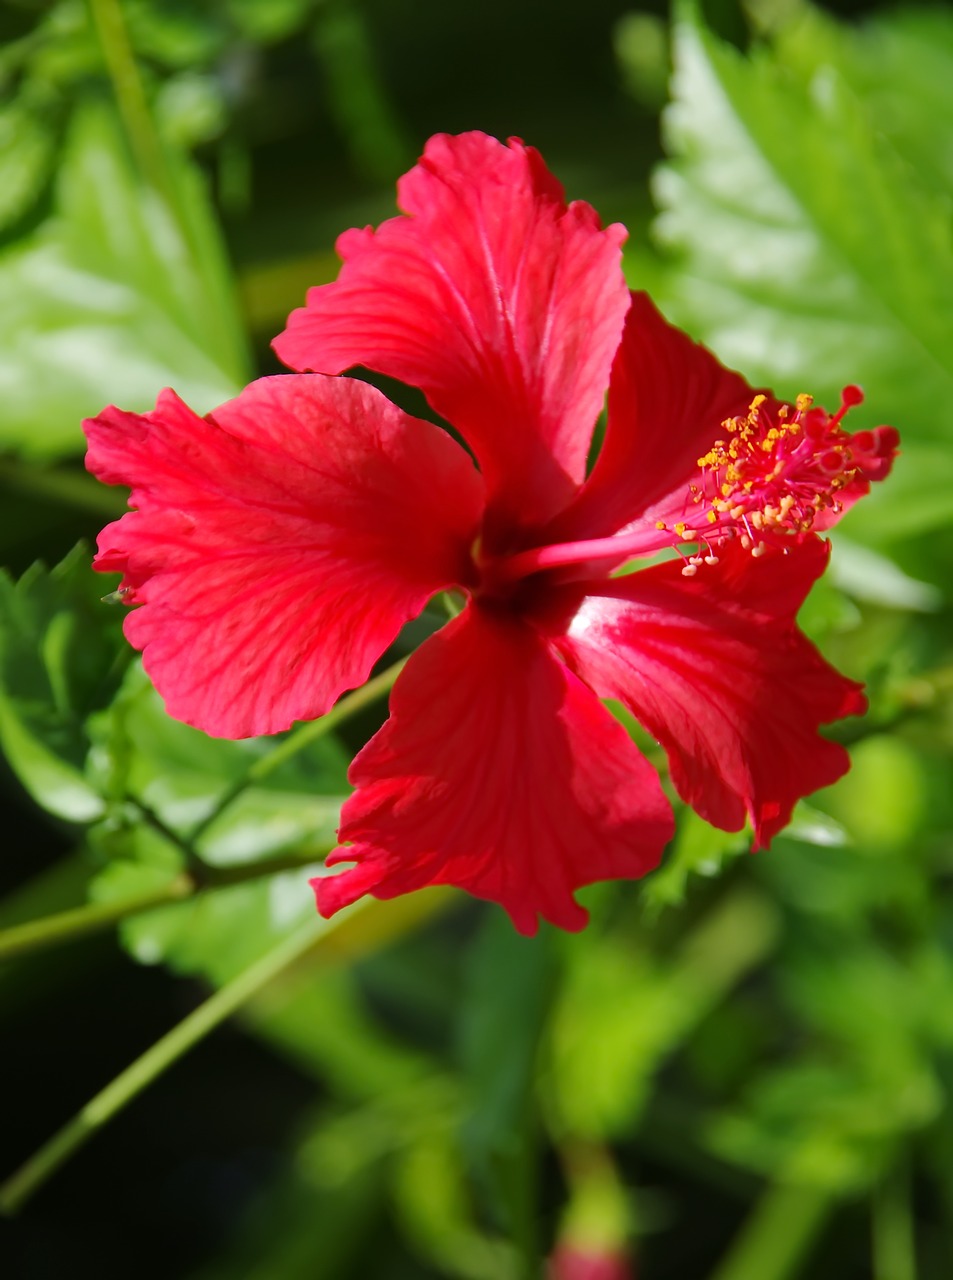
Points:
61	658
699	849
898	62
180	774
810	258
867	575
113	296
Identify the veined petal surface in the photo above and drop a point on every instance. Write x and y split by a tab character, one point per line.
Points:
501	773
716	669
279	544
668	398
502	303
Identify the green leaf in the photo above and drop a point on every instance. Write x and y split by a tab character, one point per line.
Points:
218	933
699	849
867	575
61	658
26	158
266	21
115	295
180	775
914	501
832	1118
810	255
899	64
622	1011
509	988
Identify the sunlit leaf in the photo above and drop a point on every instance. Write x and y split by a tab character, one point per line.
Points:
181	773
699	849
809	255
112	298
898	62
866	575
61	658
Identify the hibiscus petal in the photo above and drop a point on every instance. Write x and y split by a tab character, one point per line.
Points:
501	303
279	544
499	772
668	397
715	667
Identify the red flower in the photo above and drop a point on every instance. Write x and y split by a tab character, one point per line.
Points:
278	545
576	1262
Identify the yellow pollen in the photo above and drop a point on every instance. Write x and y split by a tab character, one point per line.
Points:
756	485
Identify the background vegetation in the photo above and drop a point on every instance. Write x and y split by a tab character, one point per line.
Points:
742	1069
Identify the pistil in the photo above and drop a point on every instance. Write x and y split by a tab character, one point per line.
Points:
777	473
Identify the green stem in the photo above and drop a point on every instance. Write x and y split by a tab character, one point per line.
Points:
157	1059
894	1248
298	739
523	1179
777	1235
200	876
67	926
130	96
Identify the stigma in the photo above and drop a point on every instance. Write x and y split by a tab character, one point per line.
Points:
779	472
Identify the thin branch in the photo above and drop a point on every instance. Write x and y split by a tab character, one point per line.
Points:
156	1060
298	739
95	917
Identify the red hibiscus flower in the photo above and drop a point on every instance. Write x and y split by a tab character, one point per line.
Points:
577	1262
277	546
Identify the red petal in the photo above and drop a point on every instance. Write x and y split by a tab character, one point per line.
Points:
499	772
501	303
715	667
279	544
667	400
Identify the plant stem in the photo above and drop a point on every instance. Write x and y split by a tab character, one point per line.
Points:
157	1059
66	926
894	1249
130	96
200	876
298	739
777	1235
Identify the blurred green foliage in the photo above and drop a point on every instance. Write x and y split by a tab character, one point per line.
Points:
742	1069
